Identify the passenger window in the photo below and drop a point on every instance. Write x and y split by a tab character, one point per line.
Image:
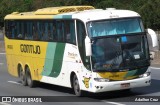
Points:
35	31
42	30
60	30
20	30
70	31
29	33
13	29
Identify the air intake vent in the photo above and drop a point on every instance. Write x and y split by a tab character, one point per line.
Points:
65	10
59	10
84	8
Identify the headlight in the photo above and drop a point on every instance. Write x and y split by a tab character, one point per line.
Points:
145	74
101	79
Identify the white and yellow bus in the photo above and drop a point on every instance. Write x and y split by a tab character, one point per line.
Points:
79	47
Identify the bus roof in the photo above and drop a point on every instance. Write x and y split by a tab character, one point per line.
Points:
84	13
99	14
47	13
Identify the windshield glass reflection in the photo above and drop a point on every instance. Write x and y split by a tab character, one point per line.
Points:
114	27
120	52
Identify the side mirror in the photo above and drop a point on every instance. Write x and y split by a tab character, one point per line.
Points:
88	46
152	40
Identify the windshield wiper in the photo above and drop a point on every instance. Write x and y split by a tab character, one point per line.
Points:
137	65
106	70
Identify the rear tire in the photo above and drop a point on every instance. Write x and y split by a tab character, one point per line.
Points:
76	87
31	83
22	76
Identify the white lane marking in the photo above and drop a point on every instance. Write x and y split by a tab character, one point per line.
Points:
114	103
2	103
1	63
2	53
154	68
15	82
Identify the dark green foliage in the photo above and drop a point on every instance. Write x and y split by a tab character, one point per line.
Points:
148	9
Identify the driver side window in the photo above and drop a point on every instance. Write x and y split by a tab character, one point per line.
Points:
81	34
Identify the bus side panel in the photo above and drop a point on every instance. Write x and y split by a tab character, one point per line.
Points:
15	59
60	61
38	66
53	63
71	62
9	47
9	64
25	53
36	58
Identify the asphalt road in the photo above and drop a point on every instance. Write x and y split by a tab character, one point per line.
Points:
11	86
1	35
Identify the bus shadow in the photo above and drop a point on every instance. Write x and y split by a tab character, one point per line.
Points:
96	97
141	91
55	88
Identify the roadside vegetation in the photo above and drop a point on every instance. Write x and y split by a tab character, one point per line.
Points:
148	9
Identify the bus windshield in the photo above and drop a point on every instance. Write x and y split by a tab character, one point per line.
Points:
114	27
119	53
118	44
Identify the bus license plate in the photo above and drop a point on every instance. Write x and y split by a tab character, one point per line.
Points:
125	85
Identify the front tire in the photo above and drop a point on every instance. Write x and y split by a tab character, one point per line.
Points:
76	87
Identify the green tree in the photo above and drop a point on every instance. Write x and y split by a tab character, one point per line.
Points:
148	9
151	14
9	6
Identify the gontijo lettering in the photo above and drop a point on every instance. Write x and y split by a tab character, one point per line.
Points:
34	49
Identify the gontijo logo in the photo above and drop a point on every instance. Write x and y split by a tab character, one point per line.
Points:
33	49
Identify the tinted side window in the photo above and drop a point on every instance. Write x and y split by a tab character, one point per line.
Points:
10	28
41	30
29	30
81	34
60	31
70	31
20	30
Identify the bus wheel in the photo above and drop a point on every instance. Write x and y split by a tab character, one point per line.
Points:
22	76
30	82
76	87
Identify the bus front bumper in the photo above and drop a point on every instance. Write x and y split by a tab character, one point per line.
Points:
120	85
